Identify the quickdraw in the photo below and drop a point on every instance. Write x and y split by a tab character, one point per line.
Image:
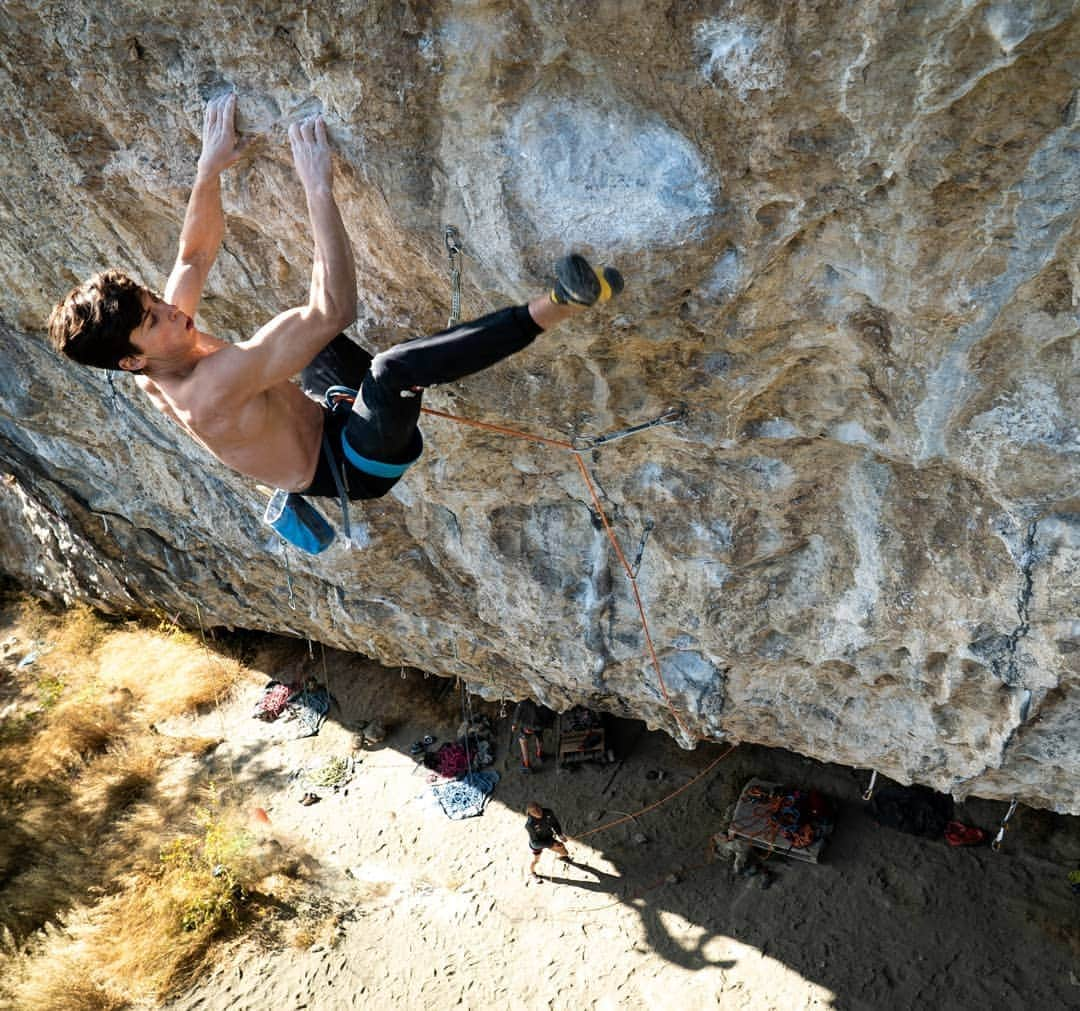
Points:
869	792
1000	837
452	239
646	530
583	443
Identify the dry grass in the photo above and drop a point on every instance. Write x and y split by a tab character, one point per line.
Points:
124	776
168	674
67	986
75	730
117	874
158	928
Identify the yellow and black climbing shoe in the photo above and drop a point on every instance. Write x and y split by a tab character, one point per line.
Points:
579	283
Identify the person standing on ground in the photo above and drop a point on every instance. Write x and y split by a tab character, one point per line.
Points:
545	833
526	723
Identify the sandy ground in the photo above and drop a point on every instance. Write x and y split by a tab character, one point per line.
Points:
409	909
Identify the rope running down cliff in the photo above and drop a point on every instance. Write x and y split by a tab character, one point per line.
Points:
563	444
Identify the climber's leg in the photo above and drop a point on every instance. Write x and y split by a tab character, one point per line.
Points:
386	411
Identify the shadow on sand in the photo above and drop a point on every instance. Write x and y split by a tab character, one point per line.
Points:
886	920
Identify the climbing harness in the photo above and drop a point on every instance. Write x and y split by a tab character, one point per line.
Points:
1000	837
583	443
295	519
869	792
452	239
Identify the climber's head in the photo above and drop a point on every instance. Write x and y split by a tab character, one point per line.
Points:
94	324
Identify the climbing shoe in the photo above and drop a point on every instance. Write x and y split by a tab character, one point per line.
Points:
579	283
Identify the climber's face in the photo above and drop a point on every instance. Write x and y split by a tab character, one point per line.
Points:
164	334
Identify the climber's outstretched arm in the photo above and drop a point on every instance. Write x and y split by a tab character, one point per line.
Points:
288	343
204	221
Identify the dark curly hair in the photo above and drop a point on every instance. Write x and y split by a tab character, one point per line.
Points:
94	323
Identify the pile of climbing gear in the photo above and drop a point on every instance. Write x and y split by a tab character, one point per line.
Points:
455	758
301	707
918	810
783	819
457	781
450	761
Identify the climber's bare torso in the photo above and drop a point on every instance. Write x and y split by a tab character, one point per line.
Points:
272	436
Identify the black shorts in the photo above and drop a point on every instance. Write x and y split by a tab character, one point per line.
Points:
375	442
344	363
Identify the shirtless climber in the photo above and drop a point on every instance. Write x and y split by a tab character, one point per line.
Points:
236	399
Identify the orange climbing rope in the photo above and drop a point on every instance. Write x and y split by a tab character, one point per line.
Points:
501	429
563	444
637	596
663	800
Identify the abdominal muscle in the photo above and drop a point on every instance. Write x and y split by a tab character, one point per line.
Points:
274	438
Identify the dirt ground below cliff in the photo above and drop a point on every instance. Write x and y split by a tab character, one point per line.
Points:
405	908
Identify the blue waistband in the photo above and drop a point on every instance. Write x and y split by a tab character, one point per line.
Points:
376	468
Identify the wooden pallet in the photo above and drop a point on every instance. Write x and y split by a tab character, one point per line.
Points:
571	750
750	823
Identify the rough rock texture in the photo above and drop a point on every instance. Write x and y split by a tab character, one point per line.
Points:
850	234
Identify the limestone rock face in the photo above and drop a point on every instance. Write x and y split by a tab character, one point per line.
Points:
850	237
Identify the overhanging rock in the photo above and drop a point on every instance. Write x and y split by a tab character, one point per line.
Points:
851	247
